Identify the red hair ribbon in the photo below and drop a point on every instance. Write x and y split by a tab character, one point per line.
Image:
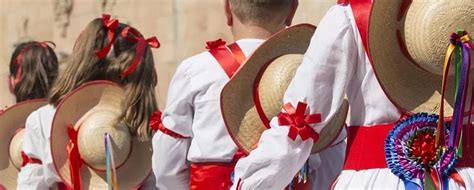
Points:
136	37
298	122
155	121
215	44
46	44
110	25
74	158
21	55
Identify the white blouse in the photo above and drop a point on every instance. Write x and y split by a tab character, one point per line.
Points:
36	144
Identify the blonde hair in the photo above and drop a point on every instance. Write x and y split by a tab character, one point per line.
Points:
35	66
261	12
84	66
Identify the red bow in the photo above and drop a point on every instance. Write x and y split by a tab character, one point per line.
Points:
155	121
75	161
21	55
298	122
110	25
136	37
215	44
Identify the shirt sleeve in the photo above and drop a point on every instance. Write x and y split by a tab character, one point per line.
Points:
170	146
320	82
32	176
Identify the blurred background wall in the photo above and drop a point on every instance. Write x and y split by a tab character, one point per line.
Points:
182	26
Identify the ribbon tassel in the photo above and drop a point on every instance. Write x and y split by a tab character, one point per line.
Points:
74	158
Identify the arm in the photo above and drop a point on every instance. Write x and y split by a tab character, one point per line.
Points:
32	175
321	82
172	141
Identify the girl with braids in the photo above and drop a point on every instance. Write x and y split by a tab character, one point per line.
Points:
105	50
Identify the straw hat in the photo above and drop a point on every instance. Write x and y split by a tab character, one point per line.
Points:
12	122
93	110
412	80
276	61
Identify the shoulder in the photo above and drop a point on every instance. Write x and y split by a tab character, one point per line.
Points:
36	115
194	65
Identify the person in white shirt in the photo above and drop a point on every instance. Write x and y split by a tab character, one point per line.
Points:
103	51
33	69
193	150
336	65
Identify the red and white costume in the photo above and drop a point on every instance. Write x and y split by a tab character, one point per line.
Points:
335	65
36	144
193	130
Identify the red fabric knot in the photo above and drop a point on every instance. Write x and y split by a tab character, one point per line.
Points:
298	122
28	160
155	121
110	25
215	44
424	148
343	2
134	36
46	44
74	158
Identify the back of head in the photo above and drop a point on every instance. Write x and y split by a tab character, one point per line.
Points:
33	68
264	13
86	65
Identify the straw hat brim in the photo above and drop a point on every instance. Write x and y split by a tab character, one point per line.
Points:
237	96
78	103
409	87
12	119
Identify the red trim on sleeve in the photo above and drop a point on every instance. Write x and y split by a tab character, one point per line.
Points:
29	160
169	132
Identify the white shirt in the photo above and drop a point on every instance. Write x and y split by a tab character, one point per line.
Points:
193	110
334	65
36	144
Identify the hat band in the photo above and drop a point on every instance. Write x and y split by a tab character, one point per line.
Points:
256	96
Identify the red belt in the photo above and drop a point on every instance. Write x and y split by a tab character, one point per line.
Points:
215	176
365	148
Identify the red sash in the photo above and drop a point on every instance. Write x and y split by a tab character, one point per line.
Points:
367	143
365	148
217	176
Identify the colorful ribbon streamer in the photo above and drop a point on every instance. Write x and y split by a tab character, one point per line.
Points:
459	47
134	36
111	172
298	122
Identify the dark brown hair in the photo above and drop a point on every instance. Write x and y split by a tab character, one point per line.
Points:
84	66
34	66
261	12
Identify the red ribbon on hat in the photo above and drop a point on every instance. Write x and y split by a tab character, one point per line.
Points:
74	158
110	25
134	36
155	121
298	122
21	55
215	44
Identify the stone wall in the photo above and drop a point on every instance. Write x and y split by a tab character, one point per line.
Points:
182	26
